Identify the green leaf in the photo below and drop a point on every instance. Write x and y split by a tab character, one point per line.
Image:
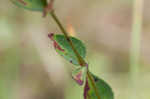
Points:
33	5
64	49
104	90
79	75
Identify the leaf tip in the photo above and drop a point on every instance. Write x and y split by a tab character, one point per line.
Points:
50	35
56	45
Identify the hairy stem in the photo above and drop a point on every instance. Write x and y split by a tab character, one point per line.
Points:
80	59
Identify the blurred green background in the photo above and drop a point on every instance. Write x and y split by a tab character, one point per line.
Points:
31	69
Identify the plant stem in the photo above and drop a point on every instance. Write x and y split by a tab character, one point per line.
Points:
135	43
93	84
81	61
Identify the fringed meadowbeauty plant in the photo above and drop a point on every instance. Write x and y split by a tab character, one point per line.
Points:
73	50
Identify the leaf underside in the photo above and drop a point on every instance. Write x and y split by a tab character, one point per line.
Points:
104	90
33	5
68	53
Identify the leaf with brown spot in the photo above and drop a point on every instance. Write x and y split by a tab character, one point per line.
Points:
65	50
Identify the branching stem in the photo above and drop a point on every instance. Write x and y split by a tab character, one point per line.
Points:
81	61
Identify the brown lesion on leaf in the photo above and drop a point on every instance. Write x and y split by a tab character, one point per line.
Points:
23	2
48	8
56	45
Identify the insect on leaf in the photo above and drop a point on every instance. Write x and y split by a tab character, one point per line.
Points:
64	49
33	5
104	90
79	75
